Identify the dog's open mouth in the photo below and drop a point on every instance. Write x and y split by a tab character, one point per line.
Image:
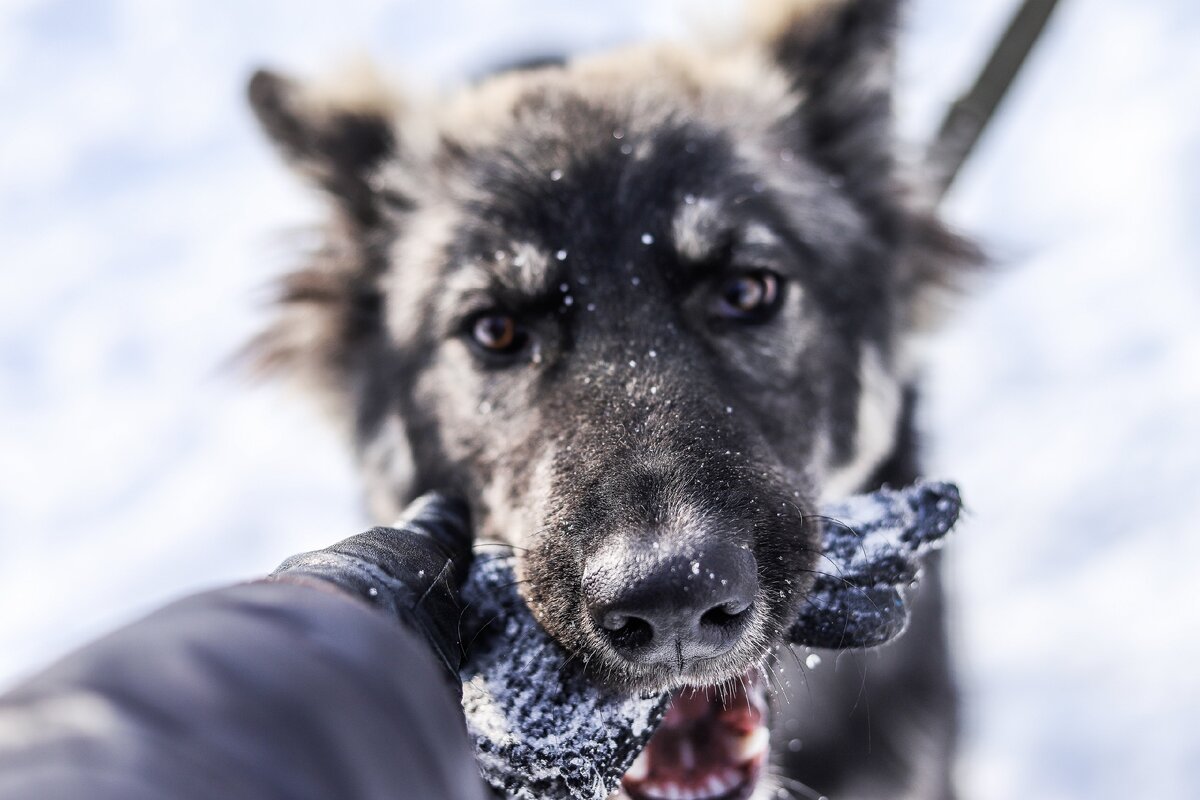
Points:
712	745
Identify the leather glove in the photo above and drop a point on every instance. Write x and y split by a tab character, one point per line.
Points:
411	571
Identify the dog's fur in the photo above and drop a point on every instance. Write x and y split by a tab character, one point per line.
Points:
602	202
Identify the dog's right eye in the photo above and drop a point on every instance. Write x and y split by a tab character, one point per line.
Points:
751	297
497	333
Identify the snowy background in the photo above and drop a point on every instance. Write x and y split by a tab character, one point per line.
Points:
141	218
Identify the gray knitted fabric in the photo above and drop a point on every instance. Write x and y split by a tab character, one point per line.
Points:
544	731
872	546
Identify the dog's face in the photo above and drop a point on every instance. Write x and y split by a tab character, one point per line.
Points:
641	310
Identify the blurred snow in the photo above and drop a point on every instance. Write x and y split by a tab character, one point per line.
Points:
1066	400
141	217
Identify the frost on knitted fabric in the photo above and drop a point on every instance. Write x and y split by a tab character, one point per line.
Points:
544	730
871	551
541	727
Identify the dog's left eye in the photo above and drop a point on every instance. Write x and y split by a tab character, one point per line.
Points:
496	333
750	297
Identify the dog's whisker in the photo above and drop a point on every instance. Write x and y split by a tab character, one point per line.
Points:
844	582
802	669
479	632
795	788
505	545
488	557
516	583
846	526
781	687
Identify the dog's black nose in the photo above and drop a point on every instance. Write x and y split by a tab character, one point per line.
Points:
659	606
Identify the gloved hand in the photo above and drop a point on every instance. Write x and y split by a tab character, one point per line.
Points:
411	570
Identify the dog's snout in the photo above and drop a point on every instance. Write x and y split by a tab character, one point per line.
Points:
655	605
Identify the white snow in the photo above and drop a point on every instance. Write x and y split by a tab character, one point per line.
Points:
141	217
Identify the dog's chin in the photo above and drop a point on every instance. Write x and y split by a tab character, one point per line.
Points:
713	744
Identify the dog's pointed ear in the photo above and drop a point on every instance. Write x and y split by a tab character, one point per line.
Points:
337	137
839	55
840	58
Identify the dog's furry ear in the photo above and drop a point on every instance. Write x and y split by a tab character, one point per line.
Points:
839	55
328	333
337	135
840	58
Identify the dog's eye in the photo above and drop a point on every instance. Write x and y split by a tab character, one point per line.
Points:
750	297
497	333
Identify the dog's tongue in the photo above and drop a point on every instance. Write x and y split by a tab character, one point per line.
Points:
544	731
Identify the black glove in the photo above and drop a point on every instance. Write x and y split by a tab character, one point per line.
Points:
412	571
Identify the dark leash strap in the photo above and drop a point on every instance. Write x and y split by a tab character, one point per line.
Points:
966	120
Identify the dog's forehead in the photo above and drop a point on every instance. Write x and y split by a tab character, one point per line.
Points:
562	172
636	87
574	238
659	140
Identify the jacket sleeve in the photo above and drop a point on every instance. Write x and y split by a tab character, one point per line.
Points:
272	689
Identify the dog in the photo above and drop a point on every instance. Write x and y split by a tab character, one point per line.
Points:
643	309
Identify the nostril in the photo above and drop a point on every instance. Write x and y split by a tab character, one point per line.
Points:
626	632
725	618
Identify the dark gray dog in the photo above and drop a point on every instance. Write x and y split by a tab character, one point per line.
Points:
643	309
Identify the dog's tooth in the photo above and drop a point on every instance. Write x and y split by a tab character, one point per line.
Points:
639	770
687	755
732	778
753	744
729	779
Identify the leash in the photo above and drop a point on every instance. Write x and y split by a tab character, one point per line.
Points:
967	118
